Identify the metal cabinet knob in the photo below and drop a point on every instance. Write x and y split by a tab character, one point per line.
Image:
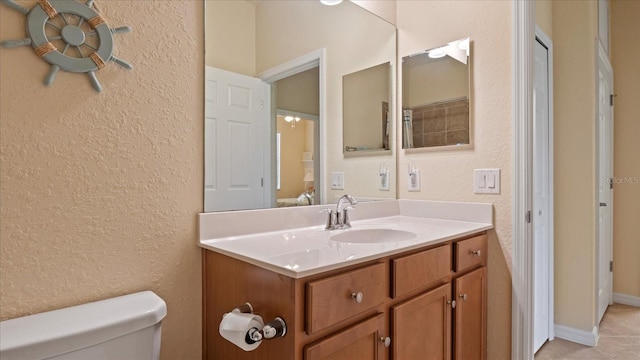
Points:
386	341
452	303
476	252
357	297
463	297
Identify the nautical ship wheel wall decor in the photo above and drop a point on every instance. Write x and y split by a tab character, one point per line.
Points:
70	35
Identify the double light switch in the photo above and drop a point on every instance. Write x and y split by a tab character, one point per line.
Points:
486	181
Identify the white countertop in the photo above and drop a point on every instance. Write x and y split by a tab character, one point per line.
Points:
303	251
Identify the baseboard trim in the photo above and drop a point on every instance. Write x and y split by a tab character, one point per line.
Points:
626	299
576	335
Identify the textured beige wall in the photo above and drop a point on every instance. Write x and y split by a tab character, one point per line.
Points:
625	51
574	34
231	35
99	192
448	175
544	18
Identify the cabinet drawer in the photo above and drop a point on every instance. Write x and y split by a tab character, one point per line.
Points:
333	299
420	269
470	253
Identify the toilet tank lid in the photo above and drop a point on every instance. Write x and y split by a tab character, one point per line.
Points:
63	330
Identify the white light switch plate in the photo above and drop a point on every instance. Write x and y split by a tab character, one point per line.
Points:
337	181
486	181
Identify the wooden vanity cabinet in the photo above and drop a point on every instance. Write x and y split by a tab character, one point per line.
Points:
349	313
421	326
449	319
340	297
470	293
360	341
470	336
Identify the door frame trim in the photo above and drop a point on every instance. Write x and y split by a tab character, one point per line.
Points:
523	36
542	37
315	58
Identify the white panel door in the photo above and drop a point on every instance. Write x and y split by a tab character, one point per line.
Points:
541	206
234	146
605	174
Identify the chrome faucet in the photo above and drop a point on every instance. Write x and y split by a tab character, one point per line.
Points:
340	218
307	196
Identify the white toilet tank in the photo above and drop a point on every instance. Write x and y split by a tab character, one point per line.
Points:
122	328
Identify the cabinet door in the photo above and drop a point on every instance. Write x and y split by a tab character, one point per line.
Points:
360	341
421	326
470	338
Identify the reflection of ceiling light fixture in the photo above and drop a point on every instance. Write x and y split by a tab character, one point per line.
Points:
330	2
291	119
438	53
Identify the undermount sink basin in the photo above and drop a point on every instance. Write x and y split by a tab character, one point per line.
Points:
372	236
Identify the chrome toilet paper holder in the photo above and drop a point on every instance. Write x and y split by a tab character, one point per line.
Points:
271	330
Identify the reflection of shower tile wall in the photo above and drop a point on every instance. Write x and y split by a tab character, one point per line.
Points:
441	123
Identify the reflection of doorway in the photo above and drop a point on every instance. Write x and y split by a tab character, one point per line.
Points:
296	98
240	131
294	158
284	80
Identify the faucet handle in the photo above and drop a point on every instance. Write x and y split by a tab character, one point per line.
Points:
331	219
346	222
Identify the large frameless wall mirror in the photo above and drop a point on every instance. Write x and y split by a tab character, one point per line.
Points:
273	102
436	97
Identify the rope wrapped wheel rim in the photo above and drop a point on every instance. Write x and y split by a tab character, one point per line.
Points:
71	34
79	26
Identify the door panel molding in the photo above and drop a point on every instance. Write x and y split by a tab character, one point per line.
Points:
604	250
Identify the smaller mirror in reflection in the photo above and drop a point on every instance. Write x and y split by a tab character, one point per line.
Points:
435	97
365	109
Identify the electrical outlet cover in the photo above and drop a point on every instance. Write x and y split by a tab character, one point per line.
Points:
414	181
384	180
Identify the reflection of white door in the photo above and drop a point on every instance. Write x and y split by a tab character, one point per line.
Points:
605	175
234	161
541	201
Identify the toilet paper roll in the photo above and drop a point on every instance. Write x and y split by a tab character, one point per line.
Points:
235	325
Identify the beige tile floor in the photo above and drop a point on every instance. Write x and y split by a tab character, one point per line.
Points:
619	339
